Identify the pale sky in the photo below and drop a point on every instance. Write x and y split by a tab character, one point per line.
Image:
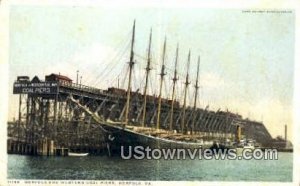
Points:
247	59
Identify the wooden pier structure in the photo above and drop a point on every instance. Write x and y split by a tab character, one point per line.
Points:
49	123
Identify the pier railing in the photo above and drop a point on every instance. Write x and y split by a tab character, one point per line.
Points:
87	89
81	87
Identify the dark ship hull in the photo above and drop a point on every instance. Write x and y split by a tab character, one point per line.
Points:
119	137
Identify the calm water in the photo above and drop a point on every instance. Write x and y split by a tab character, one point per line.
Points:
105	168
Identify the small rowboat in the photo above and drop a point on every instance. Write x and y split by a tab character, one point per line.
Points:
77	154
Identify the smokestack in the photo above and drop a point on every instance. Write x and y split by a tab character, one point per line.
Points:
285	132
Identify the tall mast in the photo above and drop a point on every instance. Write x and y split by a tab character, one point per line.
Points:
162	74
183	124
147	77
196	96
131	63
173	90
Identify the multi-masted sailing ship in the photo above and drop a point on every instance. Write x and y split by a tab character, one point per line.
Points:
167	131
124	133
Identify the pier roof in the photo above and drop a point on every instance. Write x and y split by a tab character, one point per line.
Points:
58	76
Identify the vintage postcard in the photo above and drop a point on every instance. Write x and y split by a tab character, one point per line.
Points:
131	93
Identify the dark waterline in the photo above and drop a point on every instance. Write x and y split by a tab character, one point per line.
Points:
113	168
